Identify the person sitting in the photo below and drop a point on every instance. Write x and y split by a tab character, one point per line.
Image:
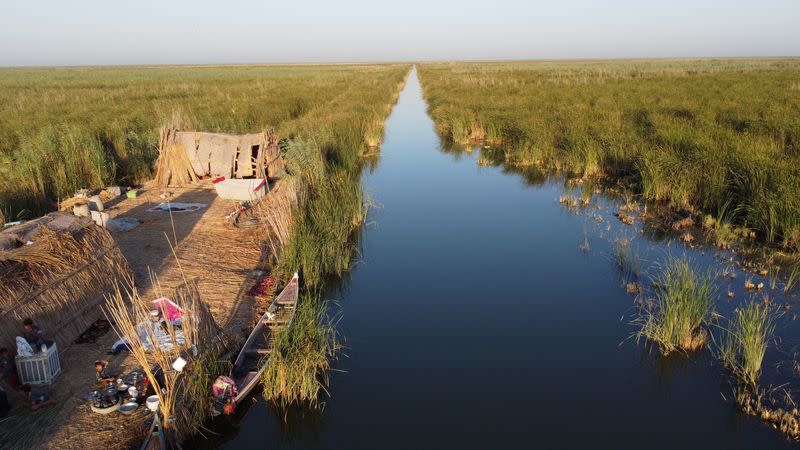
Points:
33	334
100	372
37	397
7	369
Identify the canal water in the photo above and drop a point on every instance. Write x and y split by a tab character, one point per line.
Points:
484	314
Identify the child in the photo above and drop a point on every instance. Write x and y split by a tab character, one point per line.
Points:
37	397
32	334
100	372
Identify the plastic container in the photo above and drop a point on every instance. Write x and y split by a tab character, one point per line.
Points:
152	402
241	190
41	368
95	203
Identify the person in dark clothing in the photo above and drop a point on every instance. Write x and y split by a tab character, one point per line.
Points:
37	397
4	406
7	368
32	334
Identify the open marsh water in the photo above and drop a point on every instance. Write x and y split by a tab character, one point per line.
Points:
475	320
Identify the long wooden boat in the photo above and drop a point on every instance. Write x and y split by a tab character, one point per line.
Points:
252	359
154	440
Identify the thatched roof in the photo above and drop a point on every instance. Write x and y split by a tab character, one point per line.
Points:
56	270
185	156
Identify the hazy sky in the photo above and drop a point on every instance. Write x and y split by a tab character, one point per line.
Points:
36	32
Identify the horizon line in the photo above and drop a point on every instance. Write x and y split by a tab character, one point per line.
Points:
401	61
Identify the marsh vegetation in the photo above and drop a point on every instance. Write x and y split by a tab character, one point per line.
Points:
719	136
678	317
302	355
744	342
324	160
70	128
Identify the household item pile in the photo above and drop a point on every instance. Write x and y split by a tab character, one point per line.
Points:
123	395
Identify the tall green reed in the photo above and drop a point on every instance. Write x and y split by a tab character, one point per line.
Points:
683	303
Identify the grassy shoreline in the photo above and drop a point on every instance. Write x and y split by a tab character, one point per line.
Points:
716	135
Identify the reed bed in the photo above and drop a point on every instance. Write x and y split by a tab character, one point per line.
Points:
298	366
70	128
23	431
683	304
744	342
705	135
323	210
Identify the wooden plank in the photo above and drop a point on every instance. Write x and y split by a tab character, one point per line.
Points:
275	322
259	351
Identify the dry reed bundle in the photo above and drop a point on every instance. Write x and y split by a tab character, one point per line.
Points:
277	210
173	166
176	391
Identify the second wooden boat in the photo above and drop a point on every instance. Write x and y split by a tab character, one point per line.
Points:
252	359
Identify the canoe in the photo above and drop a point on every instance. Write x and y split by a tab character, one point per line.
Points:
252	359
154	440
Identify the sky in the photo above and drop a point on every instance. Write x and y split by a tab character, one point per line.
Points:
47	32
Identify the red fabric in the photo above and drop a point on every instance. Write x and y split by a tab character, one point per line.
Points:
262	287
217	180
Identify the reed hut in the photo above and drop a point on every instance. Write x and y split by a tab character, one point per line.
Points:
56	270
187	156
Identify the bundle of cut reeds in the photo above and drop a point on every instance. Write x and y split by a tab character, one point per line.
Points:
173	166
127	309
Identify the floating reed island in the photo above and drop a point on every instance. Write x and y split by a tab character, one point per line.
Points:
216	261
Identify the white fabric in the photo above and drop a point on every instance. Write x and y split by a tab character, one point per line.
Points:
177	207
23	348
163	339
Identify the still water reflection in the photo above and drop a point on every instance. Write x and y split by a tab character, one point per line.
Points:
475	320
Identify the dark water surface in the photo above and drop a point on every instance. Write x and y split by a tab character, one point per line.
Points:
475	321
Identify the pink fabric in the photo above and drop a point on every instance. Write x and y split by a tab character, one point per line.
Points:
224	385
168	308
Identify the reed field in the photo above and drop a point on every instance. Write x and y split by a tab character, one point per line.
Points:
324	164
69	128
718	136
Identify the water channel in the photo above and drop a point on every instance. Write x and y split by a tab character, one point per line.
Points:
475	319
